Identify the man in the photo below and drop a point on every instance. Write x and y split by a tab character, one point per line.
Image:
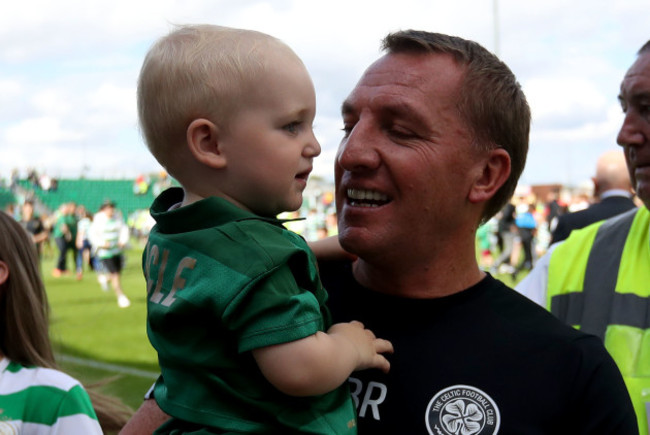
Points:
598	279
554	209
34	225
507	230
65	235
436	135
613	190
109	235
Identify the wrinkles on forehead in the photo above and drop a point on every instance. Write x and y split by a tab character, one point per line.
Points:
636	83
390	91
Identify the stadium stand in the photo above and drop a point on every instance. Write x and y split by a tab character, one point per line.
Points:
6	197
91	193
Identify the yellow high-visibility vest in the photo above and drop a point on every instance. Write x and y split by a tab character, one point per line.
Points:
599	282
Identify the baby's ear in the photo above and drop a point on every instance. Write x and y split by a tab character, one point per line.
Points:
4	272
203	142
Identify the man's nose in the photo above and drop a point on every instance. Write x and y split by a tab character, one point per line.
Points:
359	151
630	132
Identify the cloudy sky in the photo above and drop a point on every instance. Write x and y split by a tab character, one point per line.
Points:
68	70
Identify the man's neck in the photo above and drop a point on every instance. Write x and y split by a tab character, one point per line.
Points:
419	281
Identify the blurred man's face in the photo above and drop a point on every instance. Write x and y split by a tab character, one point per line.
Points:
634	135
28	210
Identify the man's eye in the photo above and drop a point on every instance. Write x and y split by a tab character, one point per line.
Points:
401	133
292	127
644	110
347	129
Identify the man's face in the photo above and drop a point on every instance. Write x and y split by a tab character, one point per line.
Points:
635	131
28	211
405	165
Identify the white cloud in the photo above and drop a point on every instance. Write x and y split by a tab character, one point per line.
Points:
68	69
37	131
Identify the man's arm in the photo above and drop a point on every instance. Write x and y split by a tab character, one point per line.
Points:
146	419
602	401
329	248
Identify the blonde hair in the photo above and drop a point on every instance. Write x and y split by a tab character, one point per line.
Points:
24	317
197	71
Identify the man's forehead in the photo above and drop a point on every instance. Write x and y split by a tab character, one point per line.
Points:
638	76
408	75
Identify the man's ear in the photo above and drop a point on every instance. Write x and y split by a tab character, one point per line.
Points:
597	191
4	272
496	171
203	141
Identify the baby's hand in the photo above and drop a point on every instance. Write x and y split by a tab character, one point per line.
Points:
369	347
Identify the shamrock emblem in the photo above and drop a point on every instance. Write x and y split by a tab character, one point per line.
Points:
462	418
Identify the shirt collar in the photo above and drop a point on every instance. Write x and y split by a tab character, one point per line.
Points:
615	192
206	213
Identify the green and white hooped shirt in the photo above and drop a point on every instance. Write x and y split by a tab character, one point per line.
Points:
40	401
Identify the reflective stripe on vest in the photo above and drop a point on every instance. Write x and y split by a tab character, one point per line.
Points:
598	305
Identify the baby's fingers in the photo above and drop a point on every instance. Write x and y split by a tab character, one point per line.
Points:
383	346
380	362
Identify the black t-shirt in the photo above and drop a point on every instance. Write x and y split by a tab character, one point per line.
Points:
34	226
480	361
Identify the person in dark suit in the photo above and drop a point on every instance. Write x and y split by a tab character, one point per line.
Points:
613	189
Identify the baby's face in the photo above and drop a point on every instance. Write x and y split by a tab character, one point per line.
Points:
269	144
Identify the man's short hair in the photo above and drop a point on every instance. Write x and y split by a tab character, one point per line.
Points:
490	101
644	49
197	71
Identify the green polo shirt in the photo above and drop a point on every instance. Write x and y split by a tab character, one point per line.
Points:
68	220
222	281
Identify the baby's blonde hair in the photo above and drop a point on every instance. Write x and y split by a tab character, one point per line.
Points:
197	71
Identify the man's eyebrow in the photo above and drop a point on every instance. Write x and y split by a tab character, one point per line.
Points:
346	107
634	96
393	109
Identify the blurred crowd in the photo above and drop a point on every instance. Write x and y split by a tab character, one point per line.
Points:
524	229
508	243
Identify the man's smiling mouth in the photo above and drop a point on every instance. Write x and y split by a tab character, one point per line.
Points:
366	198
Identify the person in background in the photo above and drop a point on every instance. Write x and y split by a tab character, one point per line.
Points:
109	235
613	191
435	139
506	234
84	249
484	236
64	232
598	279
34	226
527	227
553	209
36	397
